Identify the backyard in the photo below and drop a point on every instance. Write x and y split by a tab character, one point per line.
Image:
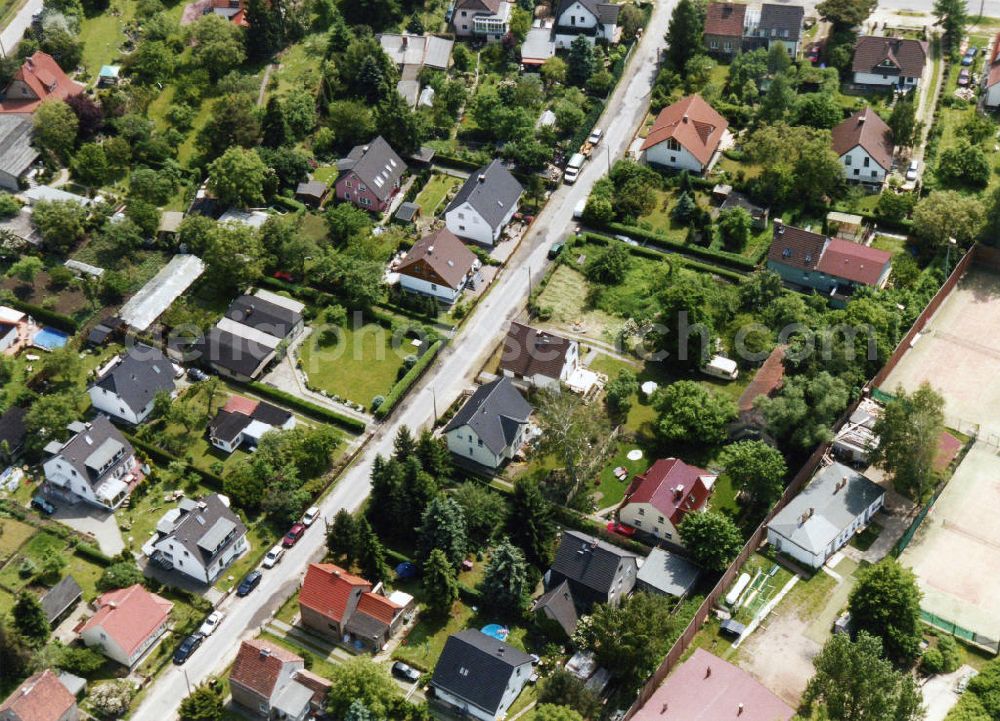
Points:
431	198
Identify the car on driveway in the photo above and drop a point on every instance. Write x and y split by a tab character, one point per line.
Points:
405	672
43	505
196	374
912	169
188	646
211	623
273	556
970	55
294	534
249	583
963	77
310	516
812	54
621	529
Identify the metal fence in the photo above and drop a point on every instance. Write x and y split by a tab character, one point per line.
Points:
961	632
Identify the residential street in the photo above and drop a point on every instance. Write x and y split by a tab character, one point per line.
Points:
448	377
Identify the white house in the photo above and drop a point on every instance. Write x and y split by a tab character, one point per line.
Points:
863	143
245	421
198	538
127	623
685	136
438	265
837	503
479	675
592	19
889	62
487	19
127	386
537	358
14	325
96	464
658	500
489	428
484	205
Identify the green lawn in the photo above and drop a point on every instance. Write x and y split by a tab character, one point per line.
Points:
431	197
610	490
314	227
299	64
359	364
102	36
13	534
317	664
325	174
566	296
40	545
659	220
893	245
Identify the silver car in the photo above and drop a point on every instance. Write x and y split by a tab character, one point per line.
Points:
911	170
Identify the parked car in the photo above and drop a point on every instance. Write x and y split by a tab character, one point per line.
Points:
970	55
620	528
310	516
188	646
293	535
555	250
963	77
963	682
284	275
812	54
249	583
273	556
196	374
405	672
595	136
43	505
211	623
911	170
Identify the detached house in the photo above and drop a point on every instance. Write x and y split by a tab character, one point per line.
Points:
592	19
439	265
126	388
889	62
271	682
39	78
487	19
198	538
479	675
991	81
127	623
489	428
724	27
774	25
657	501
863	143
537	358
348	609
245	421
41	697
17	154
96	464
370	175
685	136
595	571
484	205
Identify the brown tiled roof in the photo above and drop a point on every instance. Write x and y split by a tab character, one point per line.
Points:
528	352
46	79
796	247
725	19
906	54
41	697
378	607
327	589
765	381
129	616
691	122
446	255
853	261
258	665
672	487
867	129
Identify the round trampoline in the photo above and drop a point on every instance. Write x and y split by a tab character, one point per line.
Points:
496	631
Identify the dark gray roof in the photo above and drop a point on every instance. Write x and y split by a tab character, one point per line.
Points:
138	376
88	449
668	573
364	626
477	668
16	153
207	528
560	607
588	561
60	597
781	18
494	412
376	164
263	315
736	199
606	13
227	426
272	415
230	351
311	188
407	212
492	191
12	427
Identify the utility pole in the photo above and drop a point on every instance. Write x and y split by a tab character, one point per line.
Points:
434	397
187	681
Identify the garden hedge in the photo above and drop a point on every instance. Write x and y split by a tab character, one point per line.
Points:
307	408
49	317
289	204
399	390
720	256
572	519
91	552
161	456
596	239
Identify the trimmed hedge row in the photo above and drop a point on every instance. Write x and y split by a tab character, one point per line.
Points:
572	519
92	553
719	256
735	276
403	385
452	161
49	317
290	204
161	456
307	408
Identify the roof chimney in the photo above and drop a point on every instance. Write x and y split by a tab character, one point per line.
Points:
430	250
406	41
265	652
708	671
739	710
482	177
685	118
663	710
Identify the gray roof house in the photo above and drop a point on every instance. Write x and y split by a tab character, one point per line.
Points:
16	151
484	205
556	606
96	464
60	598
126	387
774	24
596	571
666	573
837	503
489	428
370	175
198	538
479	675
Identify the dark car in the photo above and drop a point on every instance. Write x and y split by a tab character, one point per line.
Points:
554	250
970	55
249	583
293	535
188	646
43	505
196	374
407	673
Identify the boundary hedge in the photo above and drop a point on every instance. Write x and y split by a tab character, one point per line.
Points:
719	256
654	254
305	407
161	456
399	390
49	317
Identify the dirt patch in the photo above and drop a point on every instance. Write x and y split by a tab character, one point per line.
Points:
780	655
68	300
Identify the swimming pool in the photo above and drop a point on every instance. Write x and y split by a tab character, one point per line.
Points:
49	339
496	631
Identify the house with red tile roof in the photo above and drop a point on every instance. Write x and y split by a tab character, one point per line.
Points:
706	688
128	623
41	697
991	83
657	500
347	609
272	682
724	27
864	145
39	78
686	136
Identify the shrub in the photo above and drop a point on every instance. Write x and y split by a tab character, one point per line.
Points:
377	401
932	663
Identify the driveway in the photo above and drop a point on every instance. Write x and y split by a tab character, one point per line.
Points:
939	693
100	525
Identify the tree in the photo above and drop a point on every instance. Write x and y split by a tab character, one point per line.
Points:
684	209
554	70
60	222
150	185
90	165
618	393
121	574
144	215
734	226
344	222
952	16
442	527
817	110
111	699
531	525
690	413
29	618
238	177
485	512
756	469
964	164
274	125
26	269
506	585
16	656
909	431
80	660
151	62
371	554
610	266
47	418
264	36
894	206
461	58
203	704
233	254
711	538
375	13
778	100
805	408
797	162
55	127
684	34
564	689
440	583
63	366
846	13
574	433
234	121
885	602
580	63
948	214
550	712
217	45
343	538
359	712
361	679
854	683
777	59
903	123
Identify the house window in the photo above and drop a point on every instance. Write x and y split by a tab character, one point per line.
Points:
364	201
673	144
362	187
638	524
347	196
729	46
434	286
866	161
874	173
463	15
857	172
461	216
480	442
848	160
660	519
714	44
668	535
461	227
572	20
656	530
350	184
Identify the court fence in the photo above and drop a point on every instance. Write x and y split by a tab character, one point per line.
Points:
961	632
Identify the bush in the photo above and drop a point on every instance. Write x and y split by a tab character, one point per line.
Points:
403	385
932	663
729	259
377	401
951	654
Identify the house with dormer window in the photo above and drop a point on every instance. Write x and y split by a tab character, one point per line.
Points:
889	62
772	25
863	143
484	205
686	136
487	19
96	464
658	500
370	175
592	19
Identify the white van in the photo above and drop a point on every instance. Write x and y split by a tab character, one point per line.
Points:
579	208
721	367
573	168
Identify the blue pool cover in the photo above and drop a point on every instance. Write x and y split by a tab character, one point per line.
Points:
50	339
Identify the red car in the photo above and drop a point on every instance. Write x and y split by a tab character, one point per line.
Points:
812	54
284	275
293	535
620	529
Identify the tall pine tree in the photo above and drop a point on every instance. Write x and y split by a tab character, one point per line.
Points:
531	525
684	34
